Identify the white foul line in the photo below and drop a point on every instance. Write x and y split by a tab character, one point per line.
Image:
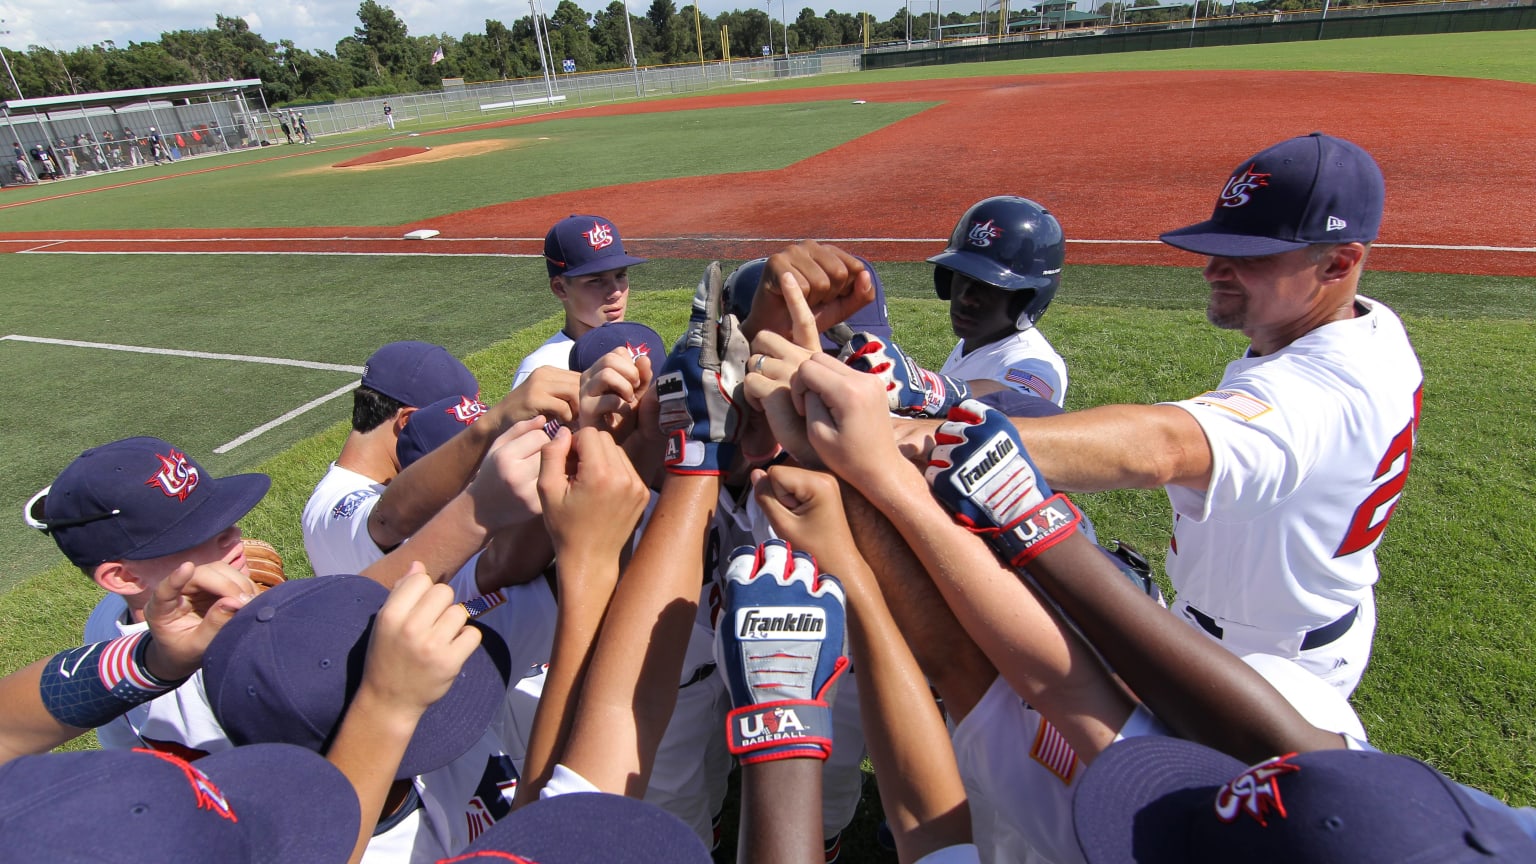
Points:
199	355
206	355
273	424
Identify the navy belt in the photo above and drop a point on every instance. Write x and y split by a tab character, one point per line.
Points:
699	674
1324	635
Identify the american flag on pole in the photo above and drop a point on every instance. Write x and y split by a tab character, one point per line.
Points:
1053	751
437	56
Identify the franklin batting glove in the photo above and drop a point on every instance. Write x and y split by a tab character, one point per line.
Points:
911	390
700	385
779	644
982	473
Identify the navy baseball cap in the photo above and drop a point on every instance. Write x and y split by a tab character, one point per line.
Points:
432	426
1157	800
741	286
139	498
638	338
1312	189
250	805
286	667
587	828
418	373
579	245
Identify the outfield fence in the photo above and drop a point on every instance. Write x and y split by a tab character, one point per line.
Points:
1344	22
494	100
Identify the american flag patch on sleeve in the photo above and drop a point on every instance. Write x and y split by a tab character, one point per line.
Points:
1034	383
484	603
1236	401
1053	751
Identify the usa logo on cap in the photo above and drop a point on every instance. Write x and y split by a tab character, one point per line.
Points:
983	233
1255	791
1240	187
208	795
600	237
176	478
467	411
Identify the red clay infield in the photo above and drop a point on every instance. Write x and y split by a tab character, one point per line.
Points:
1117	156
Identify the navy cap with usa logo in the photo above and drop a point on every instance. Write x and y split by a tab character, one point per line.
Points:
266	804
1156	800
416	374
638	339
434	425
139	498
1306	190
579	245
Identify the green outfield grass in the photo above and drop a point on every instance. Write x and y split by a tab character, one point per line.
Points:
558	155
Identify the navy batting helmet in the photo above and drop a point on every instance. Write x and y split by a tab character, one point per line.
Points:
1010	243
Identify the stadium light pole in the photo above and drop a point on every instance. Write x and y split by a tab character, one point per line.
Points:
784	20
634	67
7	62
769	5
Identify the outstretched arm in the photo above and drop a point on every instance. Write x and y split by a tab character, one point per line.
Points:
920	788
52	701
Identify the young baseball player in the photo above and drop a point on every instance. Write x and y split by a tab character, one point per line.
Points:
130	514
589	275
397	379
1001	270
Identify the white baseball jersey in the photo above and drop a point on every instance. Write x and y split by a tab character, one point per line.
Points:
1019	774
556	351
1310	448
1025	362
176	722
335	522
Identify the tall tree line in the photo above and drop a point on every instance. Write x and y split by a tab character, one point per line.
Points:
382	57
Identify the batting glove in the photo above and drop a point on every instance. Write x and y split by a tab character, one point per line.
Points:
982	473
911	390
779	644
700	385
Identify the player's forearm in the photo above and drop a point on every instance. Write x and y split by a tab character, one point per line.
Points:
586	590
423	488
1118	447
1200	690
367	749
514	556
920	786
630	693
780	813
443	545
946	654
27	728
1040	657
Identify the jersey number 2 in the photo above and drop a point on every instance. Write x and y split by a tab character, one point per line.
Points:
1364	528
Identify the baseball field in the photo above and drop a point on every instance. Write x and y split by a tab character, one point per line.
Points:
226	303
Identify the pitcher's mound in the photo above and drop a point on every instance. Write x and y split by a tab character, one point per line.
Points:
384	155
